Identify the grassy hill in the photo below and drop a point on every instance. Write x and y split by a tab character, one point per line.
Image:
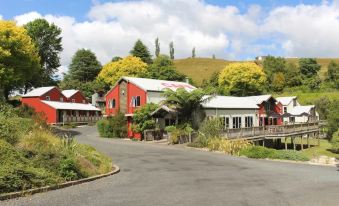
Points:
202	68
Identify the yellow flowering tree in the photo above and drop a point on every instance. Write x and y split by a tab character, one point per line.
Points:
242	79
19	59
128	66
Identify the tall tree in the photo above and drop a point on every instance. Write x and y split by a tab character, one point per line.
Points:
116	58
164	68
309	67
84	66
292	75
193	52
242	79
141	51
278	82
171	50
157	47
19	58
47	38
333	73
128	66
273	65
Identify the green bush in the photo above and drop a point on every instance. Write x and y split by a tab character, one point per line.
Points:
259	152
335	142
211	128
12	128
232	147
18	173
69	169
113	127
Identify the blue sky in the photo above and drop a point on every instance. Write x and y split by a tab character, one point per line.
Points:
229	29
79	8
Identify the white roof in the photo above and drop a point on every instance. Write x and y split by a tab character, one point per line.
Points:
285	100
158	85
298	110
70	92
37	92
230	102
71	106
260	98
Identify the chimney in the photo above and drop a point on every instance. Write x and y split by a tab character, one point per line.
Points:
187	80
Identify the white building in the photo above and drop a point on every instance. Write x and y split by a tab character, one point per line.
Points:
293	112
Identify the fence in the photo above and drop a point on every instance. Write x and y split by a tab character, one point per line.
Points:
78	119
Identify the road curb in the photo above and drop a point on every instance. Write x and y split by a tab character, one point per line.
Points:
13	195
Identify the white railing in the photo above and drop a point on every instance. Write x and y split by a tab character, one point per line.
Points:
69	119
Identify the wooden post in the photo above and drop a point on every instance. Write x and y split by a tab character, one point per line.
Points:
285	143
293	142
308	141
302	143
263	142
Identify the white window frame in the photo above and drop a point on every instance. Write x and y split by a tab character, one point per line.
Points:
73	100
248	121
284	110
239	123
48	98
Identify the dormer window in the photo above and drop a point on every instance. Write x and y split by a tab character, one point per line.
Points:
84	101
61	99
48	98
73	100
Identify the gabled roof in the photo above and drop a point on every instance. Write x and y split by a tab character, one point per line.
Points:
157	85
260	98
230	102
299	110
37	92
70	92
71	106
285	100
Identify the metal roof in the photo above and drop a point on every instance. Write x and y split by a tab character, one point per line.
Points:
285	100
298	110
70	92
71	106
37	92
230	102
158	85
260	98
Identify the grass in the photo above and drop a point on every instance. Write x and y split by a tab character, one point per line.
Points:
323	149
202	68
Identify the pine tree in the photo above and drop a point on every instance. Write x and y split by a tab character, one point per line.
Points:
171	50
157	47
141	51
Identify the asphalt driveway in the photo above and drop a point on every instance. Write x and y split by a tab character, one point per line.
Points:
154	174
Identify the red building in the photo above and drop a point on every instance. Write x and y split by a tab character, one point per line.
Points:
130	93
61	106
269	110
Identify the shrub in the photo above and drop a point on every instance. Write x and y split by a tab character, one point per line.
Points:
113	127
227	146
335	142
211	128
17	172
69	169
259	152
12	128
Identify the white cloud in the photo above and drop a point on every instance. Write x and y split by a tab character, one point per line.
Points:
112	29
0	17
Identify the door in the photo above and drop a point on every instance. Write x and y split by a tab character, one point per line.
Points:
60	116
123	97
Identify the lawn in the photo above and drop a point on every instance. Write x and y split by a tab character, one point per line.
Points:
314	150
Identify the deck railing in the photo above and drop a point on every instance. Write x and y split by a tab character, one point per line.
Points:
270	130
74	119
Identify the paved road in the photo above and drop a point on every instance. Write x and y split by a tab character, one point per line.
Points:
165	175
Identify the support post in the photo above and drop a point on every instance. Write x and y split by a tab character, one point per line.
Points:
263	142
302	143
285	143
293	142
308	141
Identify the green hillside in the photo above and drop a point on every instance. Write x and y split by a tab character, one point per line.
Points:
202	68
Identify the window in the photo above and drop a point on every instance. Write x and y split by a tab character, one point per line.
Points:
169	122
136	101
61	99
84	101
48	98
292	119
225	122
73	100
294	102
112	103
285	110
236	122
249	121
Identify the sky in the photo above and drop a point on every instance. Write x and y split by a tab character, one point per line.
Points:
228	29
